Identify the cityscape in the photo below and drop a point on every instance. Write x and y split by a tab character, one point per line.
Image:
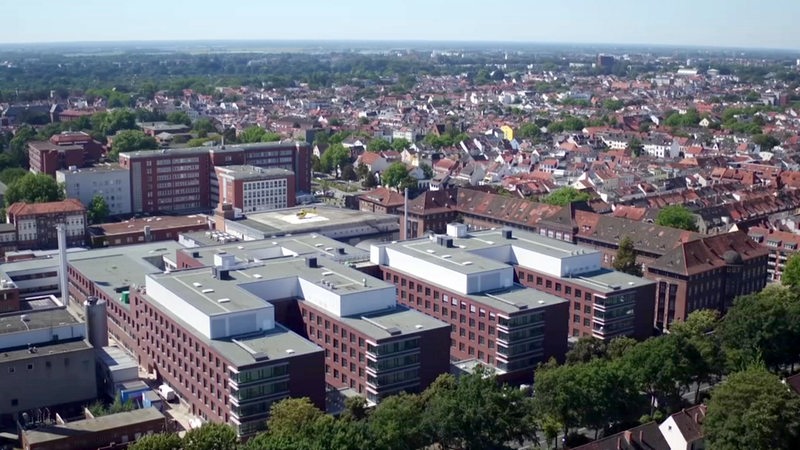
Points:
304	238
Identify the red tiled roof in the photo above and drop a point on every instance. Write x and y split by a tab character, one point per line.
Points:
27	209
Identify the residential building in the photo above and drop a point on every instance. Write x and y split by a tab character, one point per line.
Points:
469	282
646	436
111	182
781	246
96	432
35	223
253	189
683	430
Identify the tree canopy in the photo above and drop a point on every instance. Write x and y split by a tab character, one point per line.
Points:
789	277
396	175
34	188
98	209
752	410
130	141
334	157
257	134
626	258
676	216
566	195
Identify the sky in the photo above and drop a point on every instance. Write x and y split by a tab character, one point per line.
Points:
713	23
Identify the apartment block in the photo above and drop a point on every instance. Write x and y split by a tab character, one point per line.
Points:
63	151
111	182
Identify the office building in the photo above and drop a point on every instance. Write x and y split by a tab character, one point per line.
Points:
63	151
253	189
185	179
35	223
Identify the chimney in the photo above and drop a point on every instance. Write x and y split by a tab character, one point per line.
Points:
619	443
311	263
628	436
641	436
63	281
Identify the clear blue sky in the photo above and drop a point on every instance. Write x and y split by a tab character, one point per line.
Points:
737	23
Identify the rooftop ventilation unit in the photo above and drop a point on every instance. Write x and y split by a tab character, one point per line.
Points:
224	300
207	291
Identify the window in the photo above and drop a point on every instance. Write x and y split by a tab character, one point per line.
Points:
14	402
548	284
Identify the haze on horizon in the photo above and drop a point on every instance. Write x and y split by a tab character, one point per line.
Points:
703	23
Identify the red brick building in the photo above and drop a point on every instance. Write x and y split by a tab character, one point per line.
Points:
381	200
146	229
63	151
470	283
253	189
171	180
781	246
35	223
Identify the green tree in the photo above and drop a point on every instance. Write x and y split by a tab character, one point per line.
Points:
395	175
18	146
158	441
476	412
752	410
618	347
291	416
203	126
179	117
98	210
109	123
766	141
252	134
706	357
635	145
566	195
427	170
676	216
586	349
529	131
349	173
789	277
12	174
659	367
762	327
269	136
395	423
130	141
400	144
558	394
334	157
217	436
378	145
34	188
626	258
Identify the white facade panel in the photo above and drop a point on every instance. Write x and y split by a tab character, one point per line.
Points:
558	266
321	297
42	335
113	185
368	301
425	270
173	303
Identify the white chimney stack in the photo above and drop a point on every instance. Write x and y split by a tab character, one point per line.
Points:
63	282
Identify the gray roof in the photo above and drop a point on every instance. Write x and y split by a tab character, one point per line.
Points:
49	433
247	172
45	349
35	320
609	281
284	221
379	325
207	149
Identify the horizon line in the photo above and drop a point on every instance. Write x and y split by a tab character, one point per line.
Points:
404	40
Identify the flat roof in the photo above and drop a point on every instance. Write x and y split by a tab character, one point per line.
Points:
273	345
200	289
247	172
105	168
516	298
49	433
450	258
35	320
45	349
155	223
303	245
316	218
213	149
609	281
380	324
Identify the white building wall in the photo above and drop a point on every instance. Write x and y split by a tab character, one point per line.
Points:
173	303
42	335
558	266
673	435
113	185
425	270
